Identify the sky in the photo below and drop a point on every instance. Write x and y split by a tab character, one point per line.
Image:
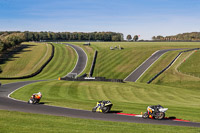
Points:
146	18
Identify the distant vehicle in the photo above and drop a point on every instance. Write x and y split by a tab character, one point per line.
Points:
102	106
87	44
35	98
155	112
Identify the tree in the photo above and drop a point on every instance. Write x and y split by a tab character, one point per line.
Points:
129	37
153	38
135	38
116	38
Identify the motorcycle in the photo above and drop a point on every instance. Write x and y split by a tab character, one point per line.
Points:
155	112
102	106
35	98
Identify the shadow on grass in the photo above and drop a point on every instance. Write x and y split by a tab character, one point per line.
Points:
9	55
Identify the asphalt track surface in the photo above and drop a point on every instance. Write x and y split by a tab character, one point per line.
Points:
137	73
7	103
81	62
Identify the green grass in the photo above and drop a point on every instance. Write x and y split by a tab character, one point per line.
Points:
15	122
173	77
62	63
177	91
191	65
26	61
120	63
159	65
126	97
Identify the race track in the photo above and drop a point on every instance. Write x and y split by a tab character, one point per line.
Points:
137	73
7	103
81	61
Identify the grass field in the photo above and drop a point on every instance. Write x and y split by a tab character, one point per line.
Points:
120	63
174	89
191	65
15	122
159	65
126	97
179	74
27	60
62	63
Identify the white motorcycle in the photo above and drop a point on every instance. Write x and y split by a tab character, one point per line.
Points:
155	112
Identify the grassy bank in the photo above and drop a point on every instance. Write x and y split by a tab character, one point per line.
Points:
15	122
179	74
159	65
25	60
191	65
120	63
126	97
62	63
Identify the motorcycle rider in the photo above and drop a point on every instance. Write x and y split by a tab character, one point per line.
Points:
37	95
156	108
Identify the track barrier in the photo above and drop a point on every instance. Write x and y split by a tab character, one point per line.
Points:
92	79
93	64
170	64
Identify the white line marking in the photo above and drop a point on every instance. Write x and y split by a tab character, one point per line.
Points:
149	67
44	105
16	90
78	60
141	65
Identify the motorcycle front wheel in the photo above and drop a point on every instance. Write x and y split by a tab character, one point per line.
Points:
94	109
145	115
160	116
106	109
30	101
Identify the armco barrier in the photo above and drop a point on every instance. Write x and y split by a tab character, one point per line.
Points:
92	79
170	64
93	64
38	71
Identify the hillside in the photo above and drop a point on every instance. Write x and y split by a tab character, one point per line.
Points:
119	64
24	59
128	97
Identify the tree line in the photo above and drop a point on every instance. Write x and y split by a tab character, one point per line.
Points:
73	36
193	36
10	39
130	38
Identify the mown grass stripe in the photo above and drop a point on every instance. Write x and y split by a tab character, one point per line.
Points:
133	97
26	61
